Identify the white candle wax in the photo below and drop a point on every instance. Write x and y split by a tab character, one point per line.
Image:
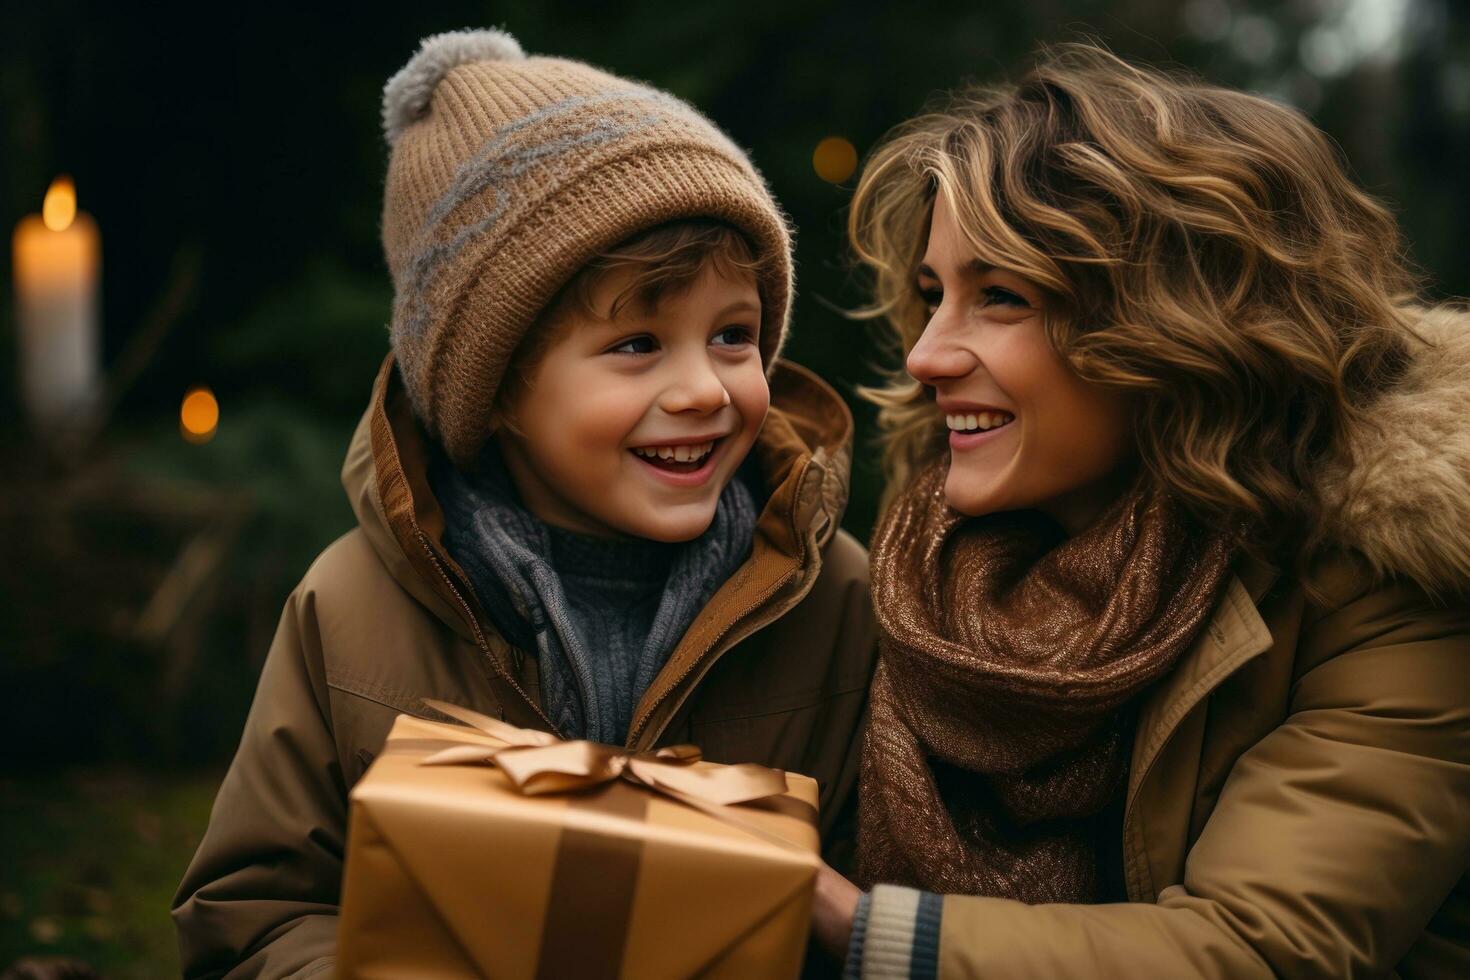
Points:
56	273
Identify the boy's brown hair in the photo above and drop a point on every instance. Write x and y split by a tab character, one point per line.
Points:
664	260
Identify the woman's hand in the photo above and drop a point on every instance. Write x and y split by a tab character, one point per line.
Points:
833	907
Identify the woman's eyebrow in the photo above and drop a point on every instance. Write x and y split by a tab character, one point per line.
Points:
974	267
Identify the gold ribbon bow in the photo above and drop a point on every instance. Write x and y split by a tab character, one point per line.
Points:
538	762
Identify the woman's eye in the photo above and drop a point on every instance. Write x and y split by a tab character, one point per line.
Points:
998	295
635	345
734	337
931	298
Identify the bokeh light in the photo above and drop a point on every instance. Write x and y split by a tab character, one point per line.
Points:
199	415
834	159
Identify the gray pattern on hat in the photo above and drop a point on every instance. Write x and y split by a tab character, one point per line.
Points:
500	160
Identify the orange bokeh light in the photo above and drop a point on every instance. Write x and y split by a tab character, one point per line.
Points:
834	159
199	415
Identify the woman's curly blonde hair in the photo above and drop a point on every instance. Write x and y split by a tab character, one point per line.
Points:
1201	248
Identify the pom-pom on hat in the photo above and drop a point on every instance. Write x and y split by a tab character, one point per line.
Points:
506	174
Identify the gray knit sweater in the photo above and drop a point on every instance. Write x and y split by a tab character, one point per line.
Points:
601	615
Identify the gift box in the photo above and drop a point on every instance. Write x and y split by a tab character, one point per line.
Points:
494	851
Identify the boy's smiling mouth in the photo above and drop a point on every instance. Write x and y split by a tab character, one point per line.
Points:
685	459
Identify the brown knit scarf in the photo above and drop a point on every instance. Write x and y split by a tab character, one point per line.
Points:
1011	654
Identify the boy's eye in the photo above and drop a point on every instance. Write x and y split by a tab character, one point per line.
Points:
734	337
1000	296
634	345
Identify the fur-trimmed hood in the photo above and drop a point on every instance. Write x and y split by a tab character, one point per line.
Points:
1401	497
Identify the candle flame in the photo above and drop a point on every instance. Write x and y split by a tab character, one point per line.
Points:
61	204
199	415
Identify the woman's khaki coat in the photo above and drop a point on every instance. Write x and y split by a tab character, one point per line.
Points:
775	670
1298	802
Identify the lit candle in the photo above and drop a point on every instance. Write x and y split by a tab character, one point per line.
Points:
57	256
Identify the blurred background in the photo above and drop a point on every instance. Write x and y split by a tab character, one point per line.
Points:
228	172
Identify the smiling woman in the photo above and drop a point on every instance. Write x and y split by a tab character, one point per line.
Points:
1171	579
1024	429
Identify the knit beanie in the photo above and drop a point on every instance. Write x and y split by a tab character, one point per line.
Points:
506	174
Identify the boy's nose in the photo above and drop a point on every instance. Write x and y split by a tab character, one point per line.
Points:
696	387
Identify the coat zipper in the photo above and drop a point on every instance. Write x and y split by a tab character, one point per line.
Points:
715	649
480	640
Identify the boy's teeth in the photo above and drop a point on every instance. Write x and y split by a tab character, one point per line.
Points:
679	454
969	422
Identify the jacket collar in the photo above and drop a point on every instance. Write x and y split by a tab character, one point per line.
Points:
803	451
1234	635
1399	494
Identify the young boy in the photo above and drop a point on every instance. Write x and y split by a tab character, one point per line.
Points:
590	499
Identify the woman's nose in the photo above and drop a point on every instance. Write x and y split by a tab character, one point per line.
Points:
936	357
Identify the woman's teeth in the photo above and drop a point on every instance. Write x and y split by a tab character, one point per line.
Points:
978	420
677	454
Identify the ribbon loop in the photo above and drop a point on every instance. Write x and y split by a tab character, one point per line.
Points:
560	768
726	786
494	727
538	763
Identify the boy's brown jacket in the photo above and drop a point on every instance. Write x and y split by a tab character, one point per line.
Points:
774	670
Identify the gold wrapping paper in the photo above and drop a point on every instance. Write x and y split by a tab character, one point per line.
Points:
452	872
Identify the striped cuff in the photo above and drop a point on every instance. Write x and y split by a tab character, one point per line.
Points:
895	935
853	968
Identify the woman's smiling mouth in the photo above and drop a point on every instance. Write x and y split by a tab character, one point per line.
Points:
970	429
978	421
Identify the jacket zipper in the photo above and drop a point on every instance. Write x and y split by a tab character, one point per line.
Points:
715	648
710	654
480	640
1130	803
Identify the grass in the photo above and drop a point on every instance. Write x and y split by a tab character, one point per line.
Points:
90	861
